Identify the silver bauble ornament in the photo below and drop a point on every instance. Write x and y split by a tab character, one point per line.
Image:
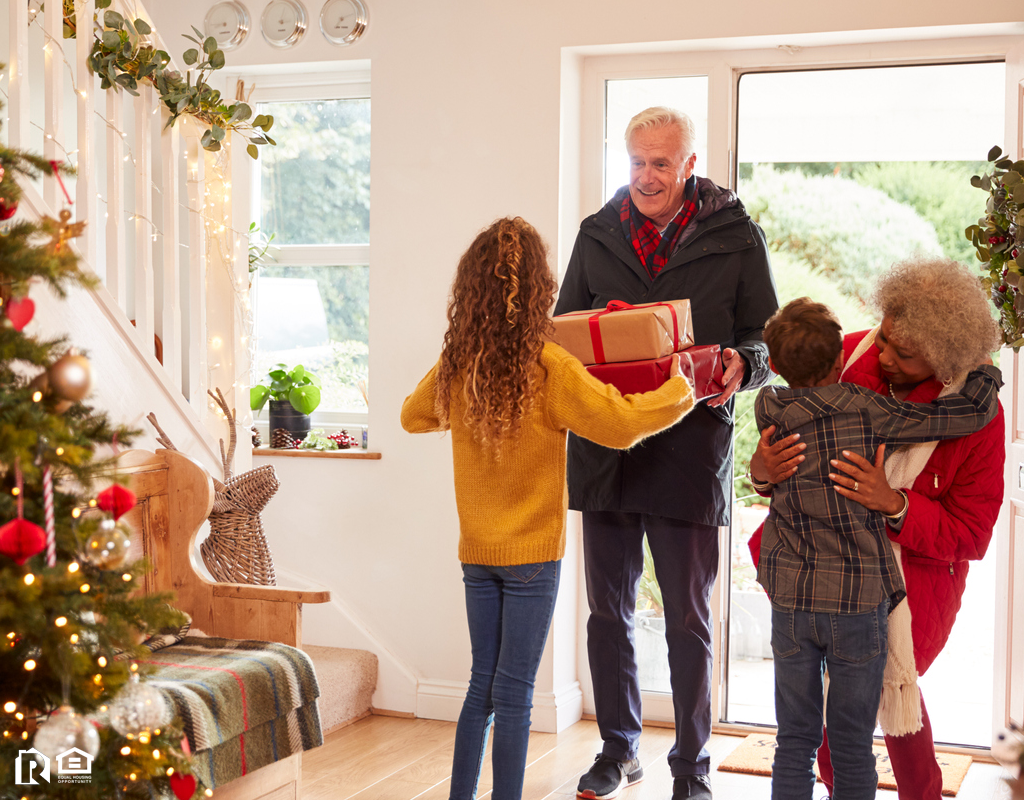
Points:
64	729
70	376
139	708
107	545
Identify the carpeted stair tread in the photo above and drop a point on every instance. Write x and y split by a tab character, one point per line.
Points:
347	681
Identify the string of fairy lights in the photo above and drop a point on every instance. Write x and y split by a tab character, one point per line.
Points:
227	243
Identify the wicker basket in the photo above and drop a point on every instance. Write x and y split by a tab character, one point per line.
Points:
236	550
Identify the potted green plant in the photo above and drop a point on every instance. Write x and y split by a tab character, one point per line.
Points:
293	393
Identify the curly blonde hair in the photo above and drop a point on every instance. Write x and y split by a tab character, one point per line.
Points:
938	307
497	323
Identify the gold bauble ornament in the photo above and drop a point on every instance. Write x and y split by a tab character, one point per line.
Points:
70	376
41	382
107	545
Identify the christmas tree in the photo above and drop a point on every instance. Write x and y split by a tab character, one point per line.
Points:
71	616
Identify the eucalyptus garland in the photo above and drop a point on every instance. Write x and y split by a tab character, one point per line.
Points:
999	239
123	57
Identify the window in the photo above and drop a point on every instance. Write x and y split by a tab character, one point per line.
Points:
312	194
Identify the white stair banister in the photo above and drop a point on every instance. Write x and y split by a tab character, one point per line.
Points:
154	271
17	109
117	259
197	349
170	318
86	187
53	107
142	269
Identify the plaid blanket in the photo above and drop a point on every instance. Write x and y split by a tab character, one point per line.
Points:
243	704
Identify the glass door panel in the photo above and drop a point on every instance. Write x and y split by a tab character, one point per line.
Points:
625	99
847	171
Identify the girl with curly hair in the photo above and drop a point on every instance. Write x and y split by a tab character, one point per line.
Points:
940	500
509	398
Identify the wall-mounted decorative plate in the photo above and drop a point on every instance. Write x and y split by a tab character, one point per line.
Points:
283	22
228	23
343	21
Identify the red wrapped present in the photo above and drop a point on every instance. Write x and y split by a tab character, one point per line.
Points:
701	365
622	332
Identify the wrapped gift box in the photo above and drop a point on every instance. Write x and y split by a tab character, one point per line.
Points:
701	365
622	332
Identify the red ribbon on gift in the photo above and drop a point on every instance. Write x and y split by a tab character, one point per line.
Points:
620	305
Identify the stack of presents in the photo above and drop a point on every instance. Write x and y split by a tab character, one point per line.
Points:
631	347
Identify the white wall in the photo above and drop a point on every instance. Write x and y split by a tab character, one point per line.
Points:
467	118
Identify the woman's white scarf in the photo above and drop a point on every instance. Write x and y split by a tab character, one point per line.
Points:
899	712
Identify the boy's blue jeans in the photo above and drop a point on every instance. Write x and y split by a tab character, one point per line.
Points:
854	648
509	611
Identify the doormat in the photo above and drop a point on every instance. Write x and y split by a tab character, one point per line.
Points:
755	754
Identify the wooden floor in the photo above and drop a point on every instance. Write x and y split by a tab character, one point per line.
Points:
386	758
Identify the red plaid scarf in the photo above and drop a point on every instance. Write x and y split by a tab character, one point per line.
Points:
652	247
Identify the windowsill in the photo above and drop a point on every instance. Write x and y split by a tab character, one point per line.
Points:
354	453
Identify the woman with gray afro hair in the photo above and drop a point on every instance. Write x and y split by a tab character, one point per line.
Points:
940	500
938	308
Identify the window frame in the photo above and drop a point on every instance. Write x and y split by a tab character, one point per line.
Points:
344	81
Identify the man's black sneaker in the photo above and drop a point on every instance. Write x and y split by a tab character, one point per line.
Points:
607	777
691	787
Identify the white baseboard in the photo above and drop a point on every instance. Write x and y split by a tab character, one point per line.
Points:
553	712
440	699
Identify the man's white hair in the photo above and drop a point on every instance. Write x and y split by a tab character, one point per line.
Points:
661	117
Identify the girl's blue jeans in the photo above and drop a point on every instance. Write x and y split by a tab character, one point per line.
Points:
509	611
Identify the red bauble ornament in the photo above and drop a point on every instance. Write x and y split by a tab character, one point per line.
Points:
117	500
183	786
21	539
20	311
7	208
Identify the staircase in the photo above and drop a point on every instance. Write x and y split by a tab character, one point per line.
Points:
168	238
347	681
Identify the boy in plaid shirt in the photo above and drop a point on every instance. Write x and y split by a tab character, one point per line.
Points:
826	562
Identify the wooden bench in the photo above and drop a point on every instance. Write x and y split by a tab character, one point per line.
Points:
175	495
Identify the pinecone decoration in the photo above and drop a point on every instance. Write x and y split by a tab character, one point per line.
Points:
257	440
280	439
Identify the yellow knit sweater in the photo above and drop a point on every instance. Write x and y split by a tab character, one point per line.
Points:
512	510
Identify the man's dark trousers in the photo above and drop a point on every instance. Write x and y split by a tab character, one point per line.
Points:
686	561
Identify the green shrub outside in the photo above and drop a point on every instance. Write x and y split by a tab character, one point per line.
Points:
850	232
940	191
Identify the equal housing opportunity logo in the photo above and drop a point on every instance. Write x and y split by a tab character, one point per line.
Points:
72	766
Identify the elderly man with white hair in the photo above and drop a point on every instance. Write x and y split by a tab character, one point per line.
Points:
668	235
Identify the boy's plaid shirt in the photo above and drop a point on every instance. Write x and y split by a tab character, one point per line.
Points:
820	551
